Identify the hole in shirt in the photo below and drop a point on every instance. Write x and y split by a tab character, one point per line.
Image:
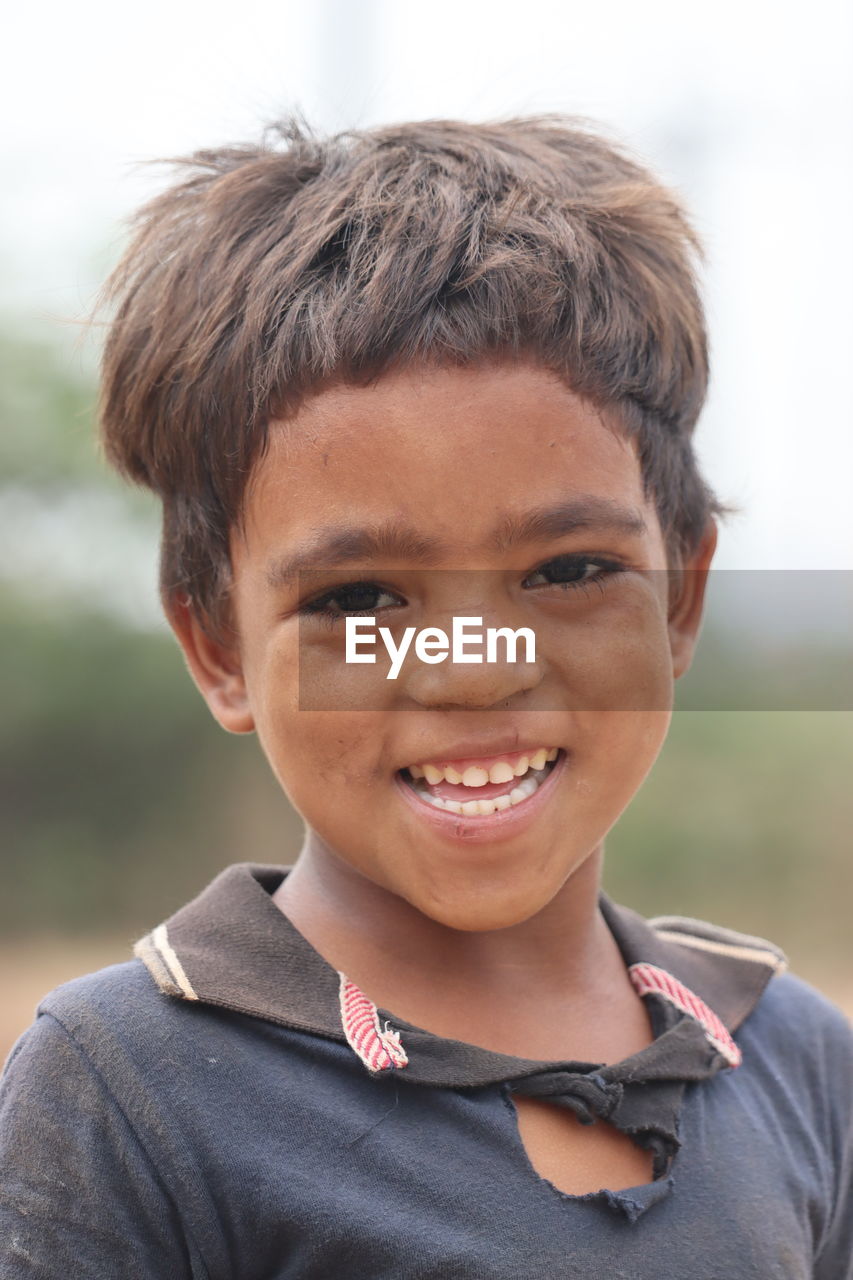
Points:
578	1158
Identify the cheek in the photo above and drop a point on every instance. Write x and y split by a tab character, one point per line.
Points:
318	757
613	660
614	752
627	736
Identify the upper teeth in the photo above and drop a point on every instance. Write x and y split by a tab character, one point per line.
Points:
478	775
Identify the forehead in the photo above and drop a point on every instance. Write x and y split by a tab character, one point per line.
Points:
448	453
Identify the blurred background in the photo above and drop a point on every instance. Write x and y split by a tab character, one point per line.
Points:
120	796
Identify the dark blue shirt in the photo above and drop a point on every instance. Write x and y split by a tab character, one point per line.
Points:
151	1128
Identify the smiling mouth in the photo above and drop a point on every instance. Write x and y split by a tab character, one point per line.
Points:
480	792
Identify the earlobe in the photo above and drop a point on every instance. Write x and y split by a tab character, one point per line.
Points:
687	599
214	666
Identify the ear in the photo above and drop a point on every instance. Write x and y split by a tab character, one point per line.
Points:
214	666
687	599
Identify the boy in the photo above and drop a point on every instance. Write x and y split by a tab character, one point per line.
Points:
415	375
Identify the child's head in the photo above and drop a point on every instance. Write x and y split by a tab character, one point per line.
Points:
439	346
268	272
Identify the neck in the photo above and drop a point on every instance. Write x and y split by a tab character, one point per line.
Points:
401	958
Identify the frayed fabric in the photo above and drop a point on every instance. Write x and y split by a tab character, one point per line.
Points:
379	1049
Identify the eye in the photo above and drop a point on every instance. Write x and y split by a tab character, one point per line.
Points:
350	598
573	571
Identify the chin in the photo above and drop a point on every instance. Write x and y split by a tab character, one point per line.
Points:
484	910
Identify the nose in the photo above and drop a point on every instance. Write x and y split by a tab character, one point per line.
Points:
476	685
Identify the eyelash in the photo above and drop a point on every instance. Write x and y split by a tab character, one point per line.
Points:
319	606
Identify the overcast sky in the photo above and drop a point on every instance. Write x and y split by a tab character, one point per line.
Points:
747	106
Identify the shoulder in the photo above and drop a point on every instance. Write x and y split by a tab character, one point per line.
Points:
120	996
787	1003
104	989
113	1018
776	1015
73	1048
796	1045
112	1054
95	1175
797	1020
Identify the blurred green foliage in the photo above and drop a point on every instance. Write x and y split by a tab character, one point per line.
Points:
120	794
121	797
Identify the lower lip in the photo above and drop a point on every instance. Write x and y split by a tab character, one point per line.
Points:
503	824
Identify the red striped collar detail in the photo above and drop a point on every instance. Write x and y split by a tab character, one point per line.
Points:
648	979
378	1049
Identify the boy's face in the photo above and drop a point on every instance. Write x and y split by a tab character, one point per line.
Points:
502	472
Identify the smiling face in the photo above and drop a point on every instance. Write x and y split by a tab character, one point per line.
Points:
490	491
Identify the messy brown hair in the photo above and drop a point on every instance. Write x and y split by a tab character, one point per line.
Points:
267	271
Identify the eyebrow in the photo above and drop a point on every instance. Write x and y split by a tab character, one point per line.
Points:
338	545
